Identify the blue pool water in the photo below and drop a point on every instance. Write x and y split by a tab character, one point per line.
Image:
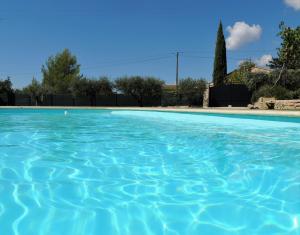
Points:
147	173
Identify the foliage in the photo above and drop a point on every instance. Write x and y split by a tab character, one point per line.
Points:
60	72
256	80
6	86
239	76
193	89
269	91
262	85
34	89
236	77
290	79
139	87
220	63
289	52
296	94
169	89
92	87
153	87
131	86
170	97
246	66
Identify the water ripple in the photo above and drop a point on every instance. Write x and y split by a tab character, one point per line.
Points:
127	173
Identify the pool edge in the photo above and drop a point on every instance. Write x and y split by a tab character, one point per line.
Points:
239	111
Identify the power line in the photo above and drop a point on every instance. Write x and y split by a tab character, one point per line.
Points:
121	63
211	57
138	60
112	63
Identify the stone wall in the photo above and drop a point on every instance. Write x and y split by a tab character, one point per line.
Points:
272	103
287	105
264	103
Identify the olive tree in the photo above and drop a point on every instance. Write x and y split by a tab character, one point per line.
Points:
92	87
192	89
140	87
289	51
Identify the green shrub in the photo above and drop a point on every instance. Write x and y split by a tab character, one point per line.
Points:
289	79
287	87
92	87
140	87
296	94
192	89
240	75
6	86
255	81
278	92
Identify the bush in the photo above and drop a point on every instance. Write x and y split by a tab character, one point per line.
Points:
6	92
140	87
277	92
6	86
296	94
236	77
35	90
255	81
192	89
153	87
239	76
290	79
92	87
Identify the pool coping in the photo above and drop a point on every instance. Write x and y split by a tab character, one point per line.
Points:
239	111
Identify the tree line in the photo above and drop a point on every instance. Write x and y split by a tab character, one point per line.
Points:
61	75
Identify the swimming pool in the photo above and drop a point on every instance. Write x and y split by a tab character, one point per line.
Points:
142	172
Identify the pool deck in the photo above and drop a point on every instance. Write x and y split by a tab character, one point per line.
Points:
241	111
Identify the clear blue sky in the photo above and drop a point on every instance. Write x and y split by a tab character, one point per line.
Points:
134	37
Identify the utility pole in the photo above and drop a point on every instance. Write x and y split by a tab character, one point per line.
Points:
177	77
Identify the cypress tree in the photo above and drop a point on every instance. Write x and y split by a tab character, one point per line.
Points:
220	64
